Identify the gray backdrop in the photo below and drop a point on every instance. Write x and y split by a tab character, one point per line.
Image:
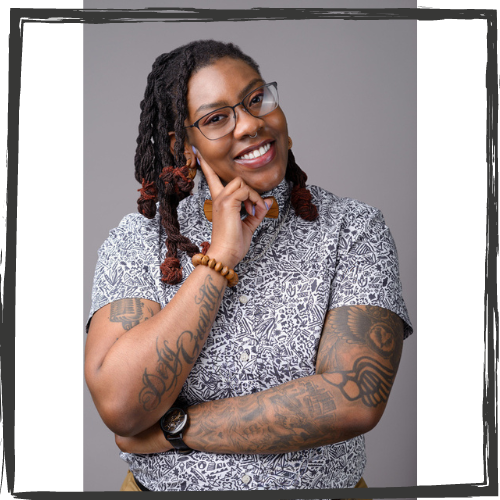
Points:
354	133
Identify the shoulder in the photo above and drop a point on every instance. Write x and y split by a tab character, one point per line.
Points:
345	212
137	223
134	232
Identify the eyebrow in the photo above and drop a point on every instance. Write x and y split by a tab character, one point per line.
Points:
241	95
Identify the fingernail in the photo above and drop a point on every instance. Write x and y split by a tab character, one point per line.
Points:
253	210
195	151
267	206
198	160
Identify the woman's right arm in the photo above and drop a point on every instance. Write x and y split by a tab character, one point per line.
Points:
137	356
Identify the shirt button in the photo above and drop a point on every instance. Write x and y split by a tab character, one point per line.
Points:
246	479
243	299
244	356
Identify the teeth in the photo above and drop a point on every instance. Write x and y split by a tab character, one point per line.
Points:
256	152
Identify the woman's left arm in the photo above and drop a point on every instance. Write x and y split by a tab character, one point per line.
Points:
357	361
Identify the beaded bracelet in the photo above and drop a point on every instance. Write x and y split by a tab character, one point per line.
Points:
205	260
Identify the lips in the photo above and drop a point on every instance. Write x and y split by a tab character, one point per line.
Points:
254	151
266	152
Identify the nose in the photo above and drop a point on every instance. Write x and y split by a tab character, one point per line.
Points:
246	124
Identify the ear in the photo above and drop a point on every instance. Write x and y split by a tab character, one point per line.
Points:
188	154
172	141
187	146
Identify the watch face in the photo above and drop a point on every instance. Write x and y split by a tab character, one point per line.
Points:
173	421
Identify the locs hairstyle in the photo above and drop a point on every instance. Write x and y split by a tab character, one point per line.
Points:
165	177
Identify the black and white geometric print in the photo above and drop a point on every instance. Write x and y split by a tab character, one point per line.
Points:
268	327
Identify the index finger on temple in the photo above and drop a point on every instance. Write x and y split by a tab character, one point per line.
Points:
213	180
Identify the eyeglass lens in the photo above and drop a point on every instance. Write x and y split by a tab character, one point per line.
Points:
221	122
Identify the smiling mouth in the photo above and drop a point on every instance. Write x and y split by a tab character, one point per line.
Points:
256	153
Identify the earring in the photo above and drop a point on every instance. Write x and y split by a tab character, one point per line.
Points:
290	142
190	164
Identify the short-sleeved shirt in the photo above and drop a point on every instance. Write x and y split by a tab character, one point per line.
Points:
268	328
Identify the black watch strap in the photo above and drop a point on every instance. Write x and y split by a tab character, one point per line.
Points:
178	443
175	437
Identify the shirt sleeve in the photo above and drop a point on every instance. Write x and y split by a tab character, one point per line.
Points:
367	269
126	264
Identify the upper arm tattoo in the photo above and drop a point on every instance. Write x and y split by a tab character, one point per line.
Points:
129	312
360	351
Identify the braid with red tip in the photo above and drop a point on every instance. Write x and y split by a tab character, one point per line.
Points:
301	196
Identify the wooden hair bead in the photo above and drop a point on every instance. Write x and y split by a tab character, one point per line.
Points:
230	275
211	263
218	267
205	259
224	270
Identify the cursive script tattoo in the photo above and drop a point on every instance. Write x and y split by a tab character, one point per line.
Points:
129	312
172	360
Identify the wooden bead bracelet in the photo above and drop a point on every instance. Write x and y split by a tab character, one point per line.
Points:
205	260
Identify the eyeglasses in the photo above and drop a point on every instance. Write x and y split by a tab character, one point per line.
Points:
222	121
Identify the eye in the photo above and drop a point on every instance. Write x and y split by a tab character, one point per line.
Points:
215	119
256	98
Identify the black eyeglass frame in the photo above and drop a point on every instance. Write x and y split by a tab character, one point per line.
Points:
196	123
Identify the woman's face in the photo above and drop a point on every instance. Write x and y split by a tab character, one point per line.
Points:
225	83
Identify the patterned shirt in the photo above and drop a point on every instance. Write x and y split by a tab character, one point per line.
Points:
268	328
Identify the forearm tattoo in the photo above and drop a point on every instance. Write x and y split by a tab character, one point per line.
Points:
129	312
375	335
173	359
287	417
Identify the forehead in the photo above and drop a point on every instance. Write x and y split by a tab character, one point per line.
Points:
221	82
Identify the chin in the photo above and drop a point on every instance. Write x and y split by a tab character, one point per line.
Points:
264	185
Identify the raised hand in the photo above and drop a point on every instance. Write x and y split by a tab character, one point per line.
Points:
231	236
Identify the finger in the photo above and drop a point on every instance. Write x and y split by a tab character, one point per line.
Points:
249	207
242	192
254	218
213	180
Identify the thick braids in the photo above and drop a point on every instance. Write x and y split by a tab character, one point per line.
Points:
301	197
146	156
175	179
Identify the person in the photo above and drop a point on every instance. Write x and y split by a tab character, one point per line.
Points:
245	336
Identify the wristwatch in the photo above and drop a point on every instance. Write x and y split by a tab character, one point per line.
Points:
173	423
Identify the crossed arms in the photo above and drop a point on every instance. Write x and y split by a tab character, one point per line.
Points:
138	357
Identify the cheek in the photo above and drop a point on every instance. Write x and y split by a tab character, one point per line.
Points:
278	121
